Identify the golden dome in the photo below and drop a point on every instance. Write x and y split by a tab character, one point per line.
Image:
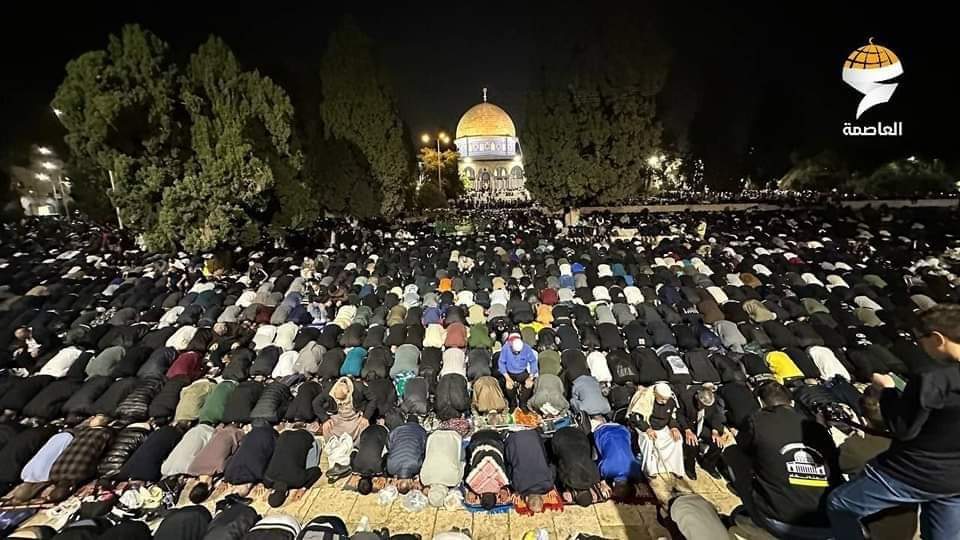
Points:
485	119
870	56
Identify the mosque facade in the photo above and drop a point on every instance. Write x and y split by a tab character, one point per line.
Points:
491	160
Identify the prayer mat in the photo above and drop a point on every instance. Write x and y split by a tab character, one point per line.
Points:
471	501
551	501
529	419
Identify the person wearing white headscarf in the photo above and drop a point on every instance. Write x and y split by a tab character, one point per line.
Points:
653	412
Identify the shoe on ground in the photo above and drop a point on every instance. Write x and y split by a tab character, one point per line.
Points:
337	472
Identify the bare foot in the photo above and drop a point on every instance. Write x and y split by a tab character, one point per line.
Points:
295	494
240	489
605	490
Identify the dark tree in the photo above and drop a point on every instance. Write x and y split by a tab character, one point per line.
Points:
823	172
241	129
120	109
591	117
359	108
429	197
197	154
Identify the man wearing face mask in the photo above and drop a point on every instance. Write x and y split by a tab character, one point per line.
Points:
519	368
922	462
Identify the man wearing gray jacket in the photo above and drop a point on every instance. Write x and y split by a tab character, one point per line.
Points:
587	398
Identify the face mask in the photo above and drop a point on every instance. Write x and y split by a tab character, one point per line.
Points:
516	345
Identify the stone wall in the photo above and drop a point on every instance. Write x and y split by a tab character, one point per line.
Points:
739	207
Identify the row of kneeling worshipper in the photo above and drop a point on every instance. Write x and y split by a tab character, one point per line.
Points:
128	366
233	520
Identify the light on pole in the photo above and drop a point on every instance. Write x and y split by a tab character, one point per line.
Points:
59	194
113	189
442	136
63	194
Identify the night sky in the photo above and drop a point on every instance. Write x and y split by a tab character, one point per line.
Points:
746	83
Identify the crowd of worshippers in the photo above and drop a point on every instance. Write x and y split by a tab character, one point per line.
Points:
422	357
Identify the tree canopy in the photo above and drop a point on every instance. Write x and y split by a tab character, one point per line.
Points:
358	108
453	186
429	197
240	138
591	118
120	109
822	172
197	154
906	178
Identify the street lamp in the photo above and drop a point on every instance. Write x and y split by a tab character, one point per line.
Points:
42	176
441	137
44	151
49	165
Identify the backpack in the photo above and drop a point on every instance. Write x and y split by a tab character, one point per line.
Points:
278	527
488	396
324	528
810	398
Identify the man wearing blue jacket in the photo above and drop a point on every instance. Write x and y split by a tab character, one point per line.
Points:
519	368
615	457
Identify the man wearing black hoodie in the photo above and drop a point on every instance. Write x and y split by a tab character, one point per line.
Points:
369	457
783	465
294	464
531	474
576	470
247	466
381	398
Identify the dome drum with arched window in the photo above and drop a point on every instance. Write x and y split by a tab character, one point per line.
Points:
491	159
